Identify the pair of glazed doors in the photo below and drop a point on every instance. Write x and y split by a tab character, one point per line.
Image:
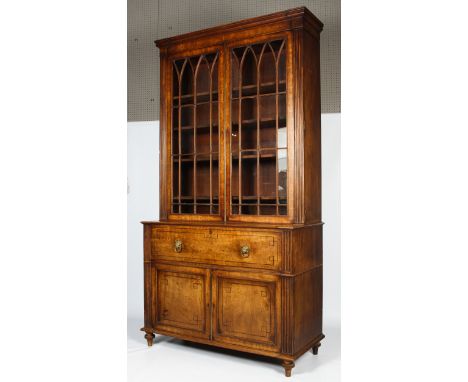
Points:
229	132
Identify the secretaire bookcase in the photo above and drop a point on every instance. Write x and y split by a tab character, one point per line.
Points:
235	260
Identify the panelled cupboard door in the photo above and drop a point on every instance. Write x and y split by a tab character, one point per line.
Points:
260	135
246	309
182	300
195	136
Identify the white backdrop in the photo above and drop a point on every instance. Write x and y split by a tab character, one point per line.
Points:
143	204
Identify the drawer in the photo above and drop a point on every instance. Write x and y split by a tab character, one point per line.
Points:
235	247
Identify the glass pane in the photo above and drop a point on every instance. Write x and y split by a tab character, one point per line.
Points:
187	208
214	139
175	140
249	123
203	209
186	116
248	210
248	175
268	176
176	68
268	107
234	126
234	138
282	68
235	75
235	179
249	71
268	121
186	82
267	68
203	178
248	111
282	173
203	77
268	137
213	62
203	141
203	114
215	177
175	179
282	107
186	177
268	210
186	143
282	136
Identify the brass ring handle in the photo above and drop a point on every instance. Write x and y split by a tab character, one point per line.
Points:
245	251
178	245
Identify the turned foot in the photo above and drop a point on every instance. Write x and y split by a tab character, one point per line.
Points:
149	337
315	349
288	365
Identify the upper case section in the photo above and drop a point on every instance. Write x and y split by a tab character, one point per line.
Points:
240	121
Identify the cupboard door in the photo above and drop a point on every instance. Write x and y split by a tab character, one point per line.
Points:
196	155
246	309
183	300
260	130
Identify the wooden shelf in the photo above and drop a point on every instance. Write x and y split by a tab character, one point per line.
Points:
195	104
195	204
185	96
214	153
264	123
190	128
176	160
263	84
254	156
260	95
214	198
262	198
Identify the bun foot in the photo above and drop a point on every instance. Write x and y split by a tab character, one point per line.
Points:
288	365
149	338
315	349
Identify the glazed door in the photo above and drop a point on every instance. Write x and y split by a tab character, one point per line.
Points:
259	123
182	300
246	309
195	137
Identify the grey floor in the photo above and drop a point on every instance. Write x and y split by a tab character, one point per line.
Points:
175	360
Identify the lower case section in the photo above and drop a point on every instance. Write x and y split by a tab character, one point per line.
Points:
274	315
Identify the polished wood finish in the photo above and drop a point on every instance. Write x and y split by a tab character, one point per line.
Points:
288	366
182	299
236	258
315	349
252	324
149	338
217	246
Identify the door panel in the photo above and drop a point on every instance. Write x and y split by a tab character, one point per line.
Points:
260	128
182	300
195	136
246	309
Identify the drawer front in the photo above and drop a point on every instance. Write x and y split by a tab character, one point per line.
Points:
256	249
